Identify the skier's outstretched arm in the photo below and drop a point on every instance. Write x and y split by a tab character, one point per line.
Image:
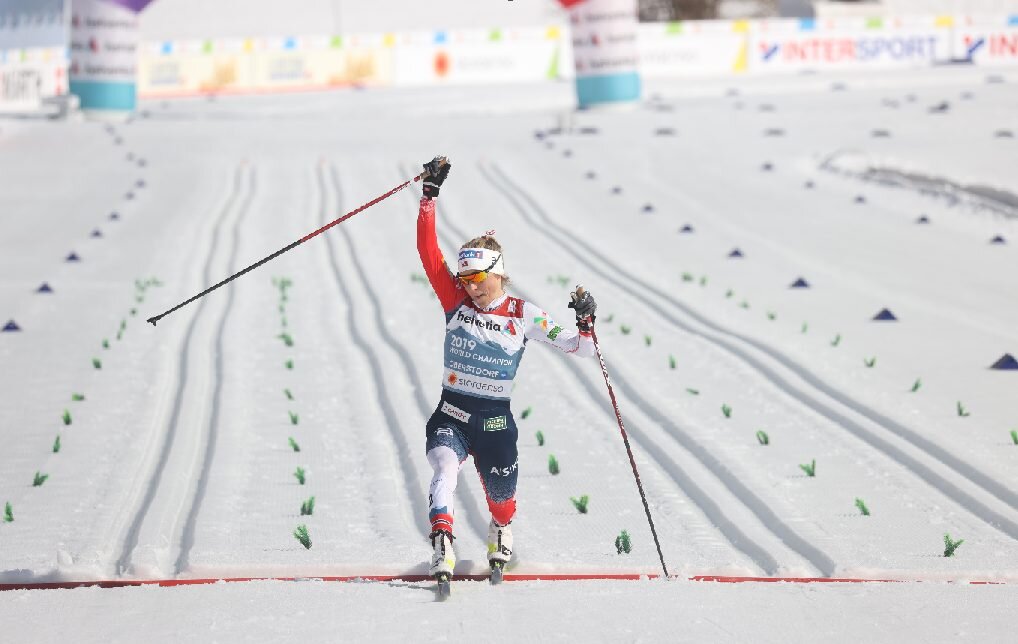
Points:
446	287
540	327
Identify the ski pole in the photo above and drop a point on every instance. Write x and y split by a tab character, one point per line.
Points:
625	439
300	241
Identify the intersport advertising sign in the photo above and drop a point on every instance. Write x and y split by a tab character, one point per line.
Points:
783	50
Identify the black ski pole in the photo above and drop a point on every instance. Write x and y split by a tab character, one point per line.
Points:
625	439
300	241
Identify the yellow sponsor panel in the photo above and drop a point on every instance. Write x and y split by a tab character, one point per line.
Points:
740	26
944	21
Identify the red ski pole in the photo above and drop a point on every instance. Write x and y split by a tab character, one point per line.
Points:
625	439
300	241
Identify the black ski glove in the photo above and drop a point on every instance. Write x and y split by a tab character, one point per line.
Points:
584	305
438	170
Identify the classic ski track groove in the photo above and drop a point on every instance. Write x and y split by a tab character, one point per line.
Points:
131	539
739	540
816	557
727	340
475	513
187	534
418	502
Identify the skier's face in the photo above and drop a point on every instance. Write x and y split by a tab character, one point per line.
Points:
486	291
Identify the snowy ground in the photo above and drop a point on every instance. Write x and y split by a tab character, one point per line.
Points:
177	463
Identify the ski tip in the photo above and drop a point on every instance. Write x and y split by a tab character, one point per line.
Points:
496	573
444	588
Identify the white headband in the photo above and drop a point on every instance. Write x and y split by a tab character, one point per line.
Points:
480	259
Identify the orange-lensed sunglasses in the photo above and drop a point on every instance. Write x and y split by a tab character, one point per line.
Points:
479	276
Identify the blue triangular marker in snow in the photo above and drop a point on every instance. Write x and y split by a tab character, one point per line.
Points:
11	326
114	216
800	283
885	314
767	167
923	219
860	199
44	288
129	196
998	239
97	233
1006	362
735	253
73	257
648	208
617	189
686	229
808	185
140	183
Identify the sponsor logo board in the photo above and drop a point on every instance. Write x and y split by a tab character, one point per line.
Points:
496	424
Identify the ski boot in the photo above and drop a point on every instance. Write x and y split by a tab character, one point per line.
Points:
500	549
443	560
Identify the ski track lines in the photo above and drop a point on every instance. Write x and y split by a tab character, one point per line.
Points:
152	534
806	388
818	559
860	277
416	514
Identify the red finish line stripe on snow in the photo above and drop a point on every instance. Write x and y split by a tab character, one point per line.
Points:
55	585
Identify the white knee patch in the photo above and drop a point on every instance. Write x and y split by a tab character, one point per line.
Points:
444	461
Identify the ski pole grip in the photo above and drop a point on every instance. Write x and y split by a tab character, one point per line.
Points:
442	161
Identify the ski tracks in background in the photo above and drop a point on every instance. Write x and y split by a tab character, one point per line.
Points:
161	526
789	377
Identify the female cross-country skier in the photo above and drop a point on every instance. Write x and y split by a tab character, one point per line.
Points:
485	333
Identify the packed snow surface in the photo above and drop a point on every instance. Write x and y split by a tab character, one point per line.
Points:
178	462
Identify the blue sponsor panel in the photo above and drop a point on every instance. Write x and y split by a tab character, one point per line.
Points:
609	88
105	95
468	354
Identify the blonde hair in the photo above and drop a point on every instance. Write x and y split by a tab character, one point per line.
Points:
490	243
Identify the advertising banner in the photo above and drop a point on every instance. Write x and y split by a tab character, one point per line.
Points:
263	65
479	56
605	51
28	77
796	45
33	54
987	46
701	48
607	57
104	53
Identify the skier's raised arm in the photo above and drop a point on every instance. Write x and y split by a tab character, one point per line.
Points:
447	287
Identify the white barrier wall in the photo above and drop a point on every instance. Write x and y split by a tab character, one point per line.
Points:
666	50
